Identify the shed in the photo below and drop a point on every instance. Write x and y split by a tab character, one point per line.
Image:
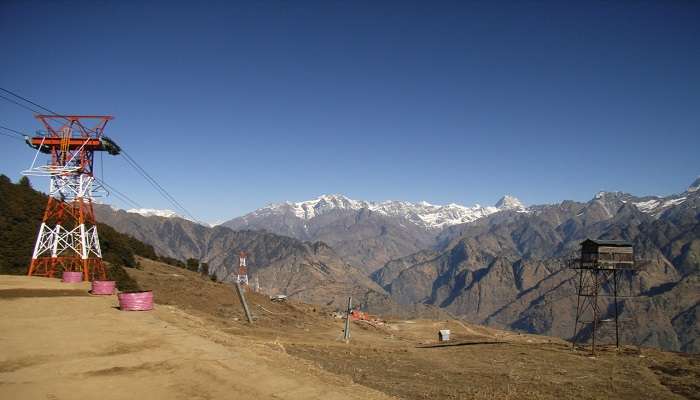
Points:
613	254
443	335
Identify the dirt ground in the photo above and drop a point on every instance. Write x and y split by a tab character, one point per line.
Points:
63	344
294	350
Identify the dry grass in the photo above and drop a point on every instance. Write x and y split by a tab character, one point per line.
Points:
397	359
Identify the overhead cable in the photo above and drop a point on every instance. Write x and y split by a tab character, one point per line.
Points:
119	194
11	136
130	160
20	104
12	130
28	101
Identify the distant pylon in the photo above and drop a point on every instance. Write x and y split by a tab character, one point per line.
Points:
242	276
67	238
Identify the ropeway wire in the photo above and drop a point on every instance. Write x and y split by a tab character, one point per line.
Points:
117	193
35	104
130	160
20	104
26	100
11	136
14	134
12	130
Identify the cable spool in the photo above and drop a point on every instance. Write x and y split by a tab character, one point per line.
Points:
72	277
136	301
103	287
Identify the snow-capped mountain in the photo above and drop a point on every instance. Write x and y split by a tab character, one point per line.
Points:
366	233
153	212
423	214
508	202
156	212
656	205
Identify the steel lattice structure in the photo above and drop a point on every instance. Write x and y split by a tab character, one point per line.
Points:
67	238
242	276
600	267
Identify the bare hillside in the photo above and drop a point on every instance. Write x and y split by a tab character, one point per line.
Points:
196	344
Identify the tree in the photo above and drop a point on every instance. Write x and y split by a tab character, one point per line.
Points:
192	264
205	269
24	181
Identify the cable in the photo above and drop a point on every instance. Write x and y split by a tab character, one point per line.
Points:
37	105
20	104
12	130
117	193
156	185
11	136
28	101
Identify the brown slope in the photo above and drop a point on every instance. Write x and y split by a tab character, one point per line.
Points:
310	272
508	269
361	237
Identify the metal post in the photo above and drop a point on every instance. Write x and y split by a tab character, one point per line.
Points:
578	308
347	321
617	330
241	296
595	308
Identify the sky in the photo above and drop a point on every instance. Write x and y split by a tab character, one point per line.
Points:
232	106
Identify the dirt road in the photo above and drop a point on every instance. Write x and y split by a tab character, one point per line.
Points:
59	343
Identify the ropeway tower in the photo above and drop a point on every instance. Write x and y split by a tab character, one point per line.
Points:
242	276
67	238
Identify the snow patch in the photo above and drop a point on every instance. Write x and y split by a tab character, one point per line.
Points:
152	212
695	186
656	206
647	206
673	202
509	202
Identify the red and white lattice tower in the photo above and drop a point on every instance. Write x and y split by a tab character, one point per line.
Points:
67	239
242	276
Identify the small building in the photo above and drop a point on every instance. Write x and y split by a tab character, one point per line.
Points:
443	335
607	254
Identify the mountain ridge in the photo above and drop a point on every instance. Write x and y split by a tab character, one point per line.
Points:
366	234
508	269
423	214
308	271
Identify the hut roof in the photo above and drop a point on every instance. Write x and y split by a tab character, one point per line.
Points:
613	243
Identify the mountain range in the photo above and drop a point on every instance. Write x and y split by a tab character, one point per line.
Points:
503	265
307	271
366	234
509	269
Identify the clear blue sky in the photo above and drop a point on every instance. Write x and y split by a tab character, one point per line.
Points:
235	106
